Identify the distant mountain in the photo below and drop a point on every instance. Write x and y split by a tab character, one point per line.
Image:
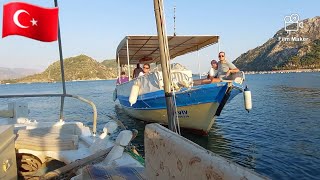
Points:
110	63
81	67
297	50
12	73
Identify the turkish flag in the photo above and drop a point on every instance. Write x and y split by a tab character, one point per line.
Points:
31	21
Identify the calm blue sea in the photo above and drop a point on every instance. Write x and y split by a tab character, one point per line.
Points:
279	138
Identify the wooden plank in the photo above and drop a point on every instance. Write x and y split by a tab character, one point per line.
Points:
45	147
76	165
51	142
47	136
65	129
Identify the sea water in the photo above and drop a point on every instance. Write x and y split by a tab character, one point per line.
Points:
279	138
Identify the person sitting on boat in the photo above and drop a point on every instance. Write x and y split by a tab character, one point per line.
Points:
136	71
226	69
123	78
146	70
213	73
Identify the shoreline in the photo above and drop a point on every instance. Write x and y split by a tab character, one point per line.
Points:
52	82
282	71
245	72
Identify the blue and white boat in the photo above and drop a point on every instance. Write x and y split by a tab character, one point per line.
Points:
144	98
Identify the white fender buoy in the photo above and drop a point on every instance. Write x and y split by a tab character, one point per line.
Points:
103	141
247	99
134	94
115	94
109	128
116	152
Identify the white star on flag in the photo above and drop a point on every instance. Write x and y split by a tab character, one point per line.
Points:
34	22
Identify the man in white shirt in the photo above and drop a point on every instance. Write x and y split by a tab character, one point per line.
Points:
213	73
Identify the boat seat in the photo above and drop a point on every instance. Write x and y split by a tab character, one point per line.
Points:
181	79
47	139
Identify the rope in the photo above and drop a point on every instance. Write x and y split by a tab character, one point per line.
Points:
176	111
176	121
28	165
117	121
136	157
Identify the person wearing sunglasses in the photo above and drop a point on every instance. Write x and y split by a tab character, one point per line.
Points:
225	68
146	70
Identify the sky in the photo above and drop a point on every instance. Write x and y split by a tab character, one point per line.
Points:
96	27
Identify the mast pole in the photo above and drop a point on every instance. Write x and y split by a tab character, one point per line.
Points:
61	67
174	21
165	57
119	66
198	62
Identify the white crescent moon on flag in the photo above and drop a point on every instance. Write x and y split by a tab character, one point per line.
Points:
16	16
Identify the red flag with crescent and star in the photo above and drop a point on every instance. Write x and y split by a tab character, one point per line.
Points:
31	21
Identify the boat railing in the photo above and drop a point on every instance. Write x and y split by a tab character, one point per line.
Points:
94	108
238	78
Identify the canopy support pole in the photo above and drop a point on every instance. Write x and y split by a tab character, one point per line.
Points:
165	57
119	66
198	62
128	59
61	67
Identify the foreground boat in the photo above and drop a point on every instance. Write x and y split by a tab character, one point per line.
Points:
83	156
197	105
68	146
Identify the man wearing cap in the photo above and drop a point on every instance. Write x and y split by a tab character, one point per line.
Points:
213	73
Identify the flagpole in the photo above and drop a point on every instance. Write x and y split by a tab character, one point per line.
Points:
61	66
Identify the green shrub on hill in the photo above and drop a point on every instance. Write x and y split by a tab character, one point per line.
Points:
310	60
81	67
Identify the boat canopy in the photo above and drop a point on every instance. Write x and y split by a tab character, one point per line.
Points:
145	49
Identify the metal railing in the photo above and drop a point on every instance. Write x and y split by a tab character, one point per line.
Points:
95	114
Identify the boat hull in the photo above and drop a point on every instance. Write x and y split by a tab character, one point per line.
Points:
196	106
198	118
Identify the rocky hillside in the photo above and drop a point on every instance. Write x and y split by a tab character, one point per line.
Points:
80	67
297	50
